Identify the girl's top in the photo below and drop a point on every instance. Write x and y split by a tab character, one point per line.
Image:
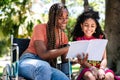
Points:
93	63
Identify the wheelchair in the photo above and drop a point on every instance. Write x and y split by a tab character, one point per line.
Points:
18	46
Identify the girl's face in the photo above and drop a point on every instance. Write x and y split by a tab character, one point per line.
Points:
62	19
88	27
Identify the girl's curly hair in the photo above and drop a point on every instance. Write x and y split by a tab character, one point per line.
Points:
77	31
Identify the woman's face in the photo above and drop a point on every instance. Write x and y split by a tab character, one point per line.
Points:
88	27
62	19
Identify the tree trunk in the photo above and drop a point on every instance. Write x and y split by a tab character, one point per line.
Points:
63	1
112	30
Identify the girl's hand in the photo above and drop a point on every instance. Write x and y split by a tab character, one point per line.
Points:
94	71
82	60
101	74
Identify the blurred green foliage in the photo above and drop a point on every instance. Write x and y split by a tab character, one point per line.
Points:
17	18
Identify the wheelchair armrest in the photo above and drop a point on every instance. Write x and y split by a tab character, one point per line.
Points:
15	47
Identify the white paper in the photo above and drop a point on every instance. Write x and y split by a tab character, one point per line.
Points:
95	48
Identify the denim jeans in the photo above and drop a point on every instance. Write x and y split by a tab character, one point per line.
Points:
32	67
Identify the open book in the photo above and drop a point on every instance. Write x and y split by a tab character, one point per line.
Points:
95	48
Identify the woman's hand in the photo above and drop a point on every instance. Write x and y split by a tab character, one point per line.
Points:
101	74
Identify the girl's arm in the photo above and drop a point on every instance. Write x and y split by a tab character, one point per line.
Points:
83	61
104	61
101	71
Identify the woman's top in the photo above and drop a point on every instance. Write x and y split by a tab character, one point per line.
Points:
39	33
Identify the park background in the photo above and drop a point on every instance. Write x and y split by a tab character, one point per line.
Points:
18	17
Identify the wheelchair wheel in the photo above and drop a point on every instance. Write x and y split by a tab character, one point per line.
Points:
7	73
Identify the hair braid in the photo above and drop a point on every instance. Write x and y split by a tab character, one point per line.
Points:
51	27
54	12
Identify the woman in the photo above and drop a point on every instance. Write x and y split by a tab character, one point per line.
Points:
48	41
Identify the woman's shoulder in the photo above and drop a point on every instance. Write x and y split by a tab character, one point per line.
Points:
40	25
39	28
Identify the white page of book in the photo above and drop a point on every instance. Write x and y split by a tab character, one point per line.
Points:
94	48
77	47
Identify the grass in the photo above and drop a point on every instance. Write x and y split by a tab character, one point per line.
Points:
75	68
1	70
3	62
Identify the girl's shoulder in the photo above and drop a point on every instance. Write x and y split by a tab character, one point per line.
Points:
85	38
101	37
78	38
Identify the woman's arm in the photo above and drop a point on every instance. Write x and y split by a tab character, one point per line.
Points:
43	53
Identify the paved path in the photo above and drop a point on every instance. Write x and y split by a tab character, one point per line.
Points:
5	60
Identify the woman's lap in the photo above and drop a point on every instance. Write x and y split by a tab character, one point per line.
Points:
58	75
37	69
34	69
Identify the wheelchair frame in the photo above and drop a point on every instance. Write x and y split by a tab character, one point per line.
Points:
10	71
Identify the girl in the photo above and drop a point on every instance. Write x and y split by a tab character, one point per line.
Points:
87	27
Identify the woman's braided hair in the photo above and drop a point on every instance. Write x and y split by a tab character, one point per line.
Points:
54	12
